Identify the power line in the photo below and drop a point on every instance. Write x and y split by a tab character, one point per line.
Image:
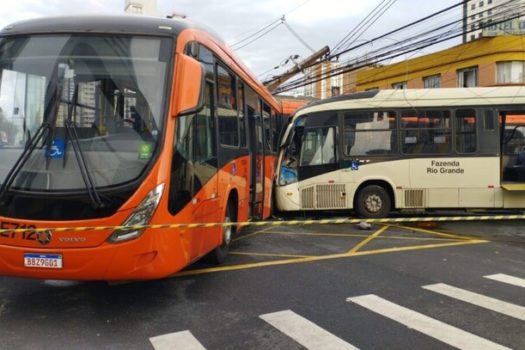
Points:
391	51
250	36
254	34
296	35
259	36
397	30
368	21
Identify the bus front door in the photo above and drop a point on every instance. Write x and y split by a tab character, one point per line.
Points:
256	164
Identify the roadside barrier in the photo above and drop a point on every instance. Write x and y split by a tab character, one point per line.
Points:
274	223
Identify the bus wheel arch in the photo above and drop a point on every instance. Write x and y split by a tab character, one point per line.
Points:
218	255
374	199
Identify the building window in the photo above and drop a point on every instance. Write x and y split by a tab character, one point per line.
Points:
480	3
136	9
489	2
432	82
489	12
336	91
473	6
472	37
509	72
400	86
468	77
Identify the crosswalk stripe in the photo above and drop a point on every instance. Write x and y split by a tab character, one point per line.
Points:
493	304
516	281
424	324
305	332
176	341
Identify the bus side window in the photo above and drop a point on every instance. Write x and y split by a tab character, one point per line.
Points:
466	140
426	132
268	135
227	108
318	146
241	113
369	133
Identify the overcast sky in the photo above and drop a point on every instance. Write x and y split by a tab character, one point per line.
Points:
318	22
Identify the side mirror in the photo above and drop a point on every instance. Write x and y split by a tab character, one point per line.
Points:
189	87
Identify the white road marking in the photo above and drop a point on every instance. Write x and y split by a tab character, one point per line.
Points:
516	281
176	341
305	332
436	329
497	305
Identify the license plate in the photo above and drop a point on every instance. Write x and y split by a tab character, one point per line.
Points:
44	261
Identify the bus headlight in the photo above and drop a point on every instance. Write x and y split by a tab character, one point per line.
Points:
140	216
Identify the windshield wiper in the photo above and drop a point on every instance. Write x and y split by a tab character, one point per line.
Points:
72	134
31	144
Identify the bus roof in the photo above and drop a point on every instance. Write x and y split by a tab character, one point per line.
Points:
410	98
114	24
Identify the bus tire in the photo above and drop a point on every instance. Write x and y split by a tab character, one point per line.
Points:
373	201
218	255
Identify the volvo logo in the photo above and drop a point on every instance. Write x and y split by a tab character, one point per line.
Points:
44	237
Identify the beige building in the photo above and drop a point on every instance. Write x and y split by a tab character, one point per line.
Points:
142	7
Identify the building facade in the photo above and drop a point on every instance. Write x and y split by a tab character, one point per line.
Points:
489	61
478	14
336	85
141	7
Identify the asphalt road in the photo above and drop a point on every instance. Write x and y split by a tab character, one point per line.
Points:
293	288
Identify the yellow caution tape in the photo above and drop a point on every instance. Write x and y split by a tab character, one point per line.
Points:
274	223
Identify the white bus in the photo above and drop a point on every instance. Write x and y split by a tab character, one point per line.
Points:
379	151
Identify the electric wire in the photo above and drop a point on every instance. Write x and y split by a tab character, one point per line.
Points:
392	51
363	26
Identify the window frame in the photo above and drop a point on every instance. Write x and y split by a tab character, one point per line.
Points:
233	106
402	130
334	143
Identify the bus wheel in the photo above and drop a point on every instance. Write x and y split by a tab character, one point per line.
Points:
218	255
373	201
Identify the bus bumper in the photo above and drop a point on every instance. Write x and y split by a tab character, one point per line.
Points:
153	255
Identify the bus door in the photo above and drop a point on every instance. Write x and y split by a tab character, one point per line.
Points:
194	185
512	134
256	150
314	148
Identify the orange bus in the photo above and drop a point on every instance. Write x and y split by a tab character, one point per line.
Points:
120	121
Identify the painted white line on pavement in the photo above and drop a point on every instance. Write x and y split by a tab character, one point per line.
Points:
176	341
493	304
305	332
516	281
436	329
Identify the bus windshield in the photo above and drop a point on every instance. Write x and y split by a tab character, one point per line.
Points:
74	99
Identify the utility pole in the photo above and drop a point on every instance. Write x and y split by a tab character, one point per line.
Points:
277	81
